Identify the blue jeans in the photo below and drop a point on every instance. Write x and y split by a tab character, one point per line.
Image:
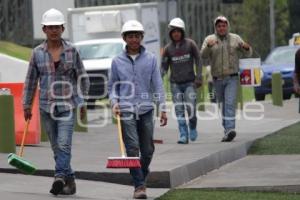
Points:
226	92
184	96
138	139
60	131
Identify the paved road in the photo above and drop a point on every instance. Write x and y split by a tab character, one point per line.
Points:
12	69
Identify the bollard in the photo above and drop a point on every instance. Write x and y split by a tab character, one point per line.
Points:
200	93
113	119
167	86
44	136
277	89
79	122
240	100
7	125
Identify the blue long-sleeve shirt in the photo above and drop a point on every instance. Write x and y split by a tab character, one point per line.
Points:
136	84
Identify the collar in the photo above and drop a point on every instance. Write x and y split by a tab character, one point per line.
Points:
66	46
178	43
225	37
142	50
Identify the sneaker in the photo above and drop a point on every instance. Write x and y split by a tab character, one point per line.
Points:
70	186
229	136
183	140
193	135
140	192
57	185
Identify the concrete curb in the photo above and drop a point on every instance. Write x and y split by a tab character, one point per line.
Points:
161	179
295	189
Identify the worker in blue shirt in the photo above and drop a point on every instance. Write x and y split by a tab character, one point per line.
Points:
135	84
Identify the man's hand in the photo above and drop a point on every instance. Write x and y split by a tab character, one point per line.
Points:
116	109
27	114
211	43
82	113
297	88
163	119
198	83
244	45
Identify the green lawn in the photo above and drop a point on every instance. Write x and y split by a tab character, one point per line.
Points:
15	50
284	141
247	92
198	194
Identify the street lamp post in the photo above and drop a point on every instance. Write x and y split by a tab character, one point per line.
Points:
272	25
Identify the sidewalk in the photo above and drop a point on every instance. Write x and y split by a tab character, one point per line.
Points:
22	187
173	164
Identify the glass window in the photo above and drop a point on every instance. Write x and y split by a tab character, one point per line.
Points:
99	51
282	56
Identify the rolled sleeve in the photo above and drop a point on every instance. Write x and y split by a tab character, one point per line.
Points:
82	75
158	86
113	90
30	84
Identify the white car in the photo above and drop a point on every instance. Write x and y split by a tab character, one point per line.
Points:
97	56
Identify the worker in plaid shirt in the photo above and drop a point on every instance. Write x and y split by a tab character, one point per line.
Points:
63	84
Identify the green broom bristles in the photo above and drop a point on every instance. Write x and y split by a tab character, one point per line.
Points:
123	162
21	164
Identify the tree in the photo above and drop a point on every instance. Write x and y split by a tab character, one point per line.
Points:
253	24
294	7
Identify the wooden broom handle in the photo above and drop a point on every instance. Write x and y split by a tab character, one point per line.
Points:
23	138
122	148
26	128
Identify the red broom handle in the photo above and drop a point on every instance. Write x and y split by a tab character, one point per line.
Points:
122	148
23	138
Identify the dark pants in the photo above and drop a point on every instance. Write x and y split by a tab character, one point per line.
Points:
138	138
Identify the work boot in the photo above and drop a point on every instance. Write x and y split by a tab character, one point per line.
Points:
183	132
140	192
70	186
57	185
229	136
183	140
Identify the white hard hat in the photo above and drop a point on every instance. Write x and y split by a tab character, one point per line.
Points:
132	25
177	23
53	17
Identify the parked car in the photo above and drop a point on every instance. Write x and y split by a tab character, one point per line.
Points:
97	56
281	59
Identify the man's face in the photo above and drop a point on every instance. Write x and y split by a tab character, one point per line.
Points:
133	40
176	35
53	32
222	28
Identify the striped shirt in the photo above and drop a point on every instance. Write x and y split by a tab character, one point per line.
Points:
64	87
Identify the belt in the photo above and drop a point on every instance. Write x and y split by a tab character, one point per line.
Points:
221	78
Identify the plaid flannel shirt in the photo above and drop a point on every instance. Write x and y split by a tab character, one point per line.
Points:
64	87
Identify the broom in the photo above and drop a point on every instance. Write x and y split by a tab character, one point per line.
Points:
17	160
123	161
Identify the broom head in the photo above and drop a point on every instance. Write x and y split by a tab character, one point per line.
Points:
158	141
123	162
21	164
